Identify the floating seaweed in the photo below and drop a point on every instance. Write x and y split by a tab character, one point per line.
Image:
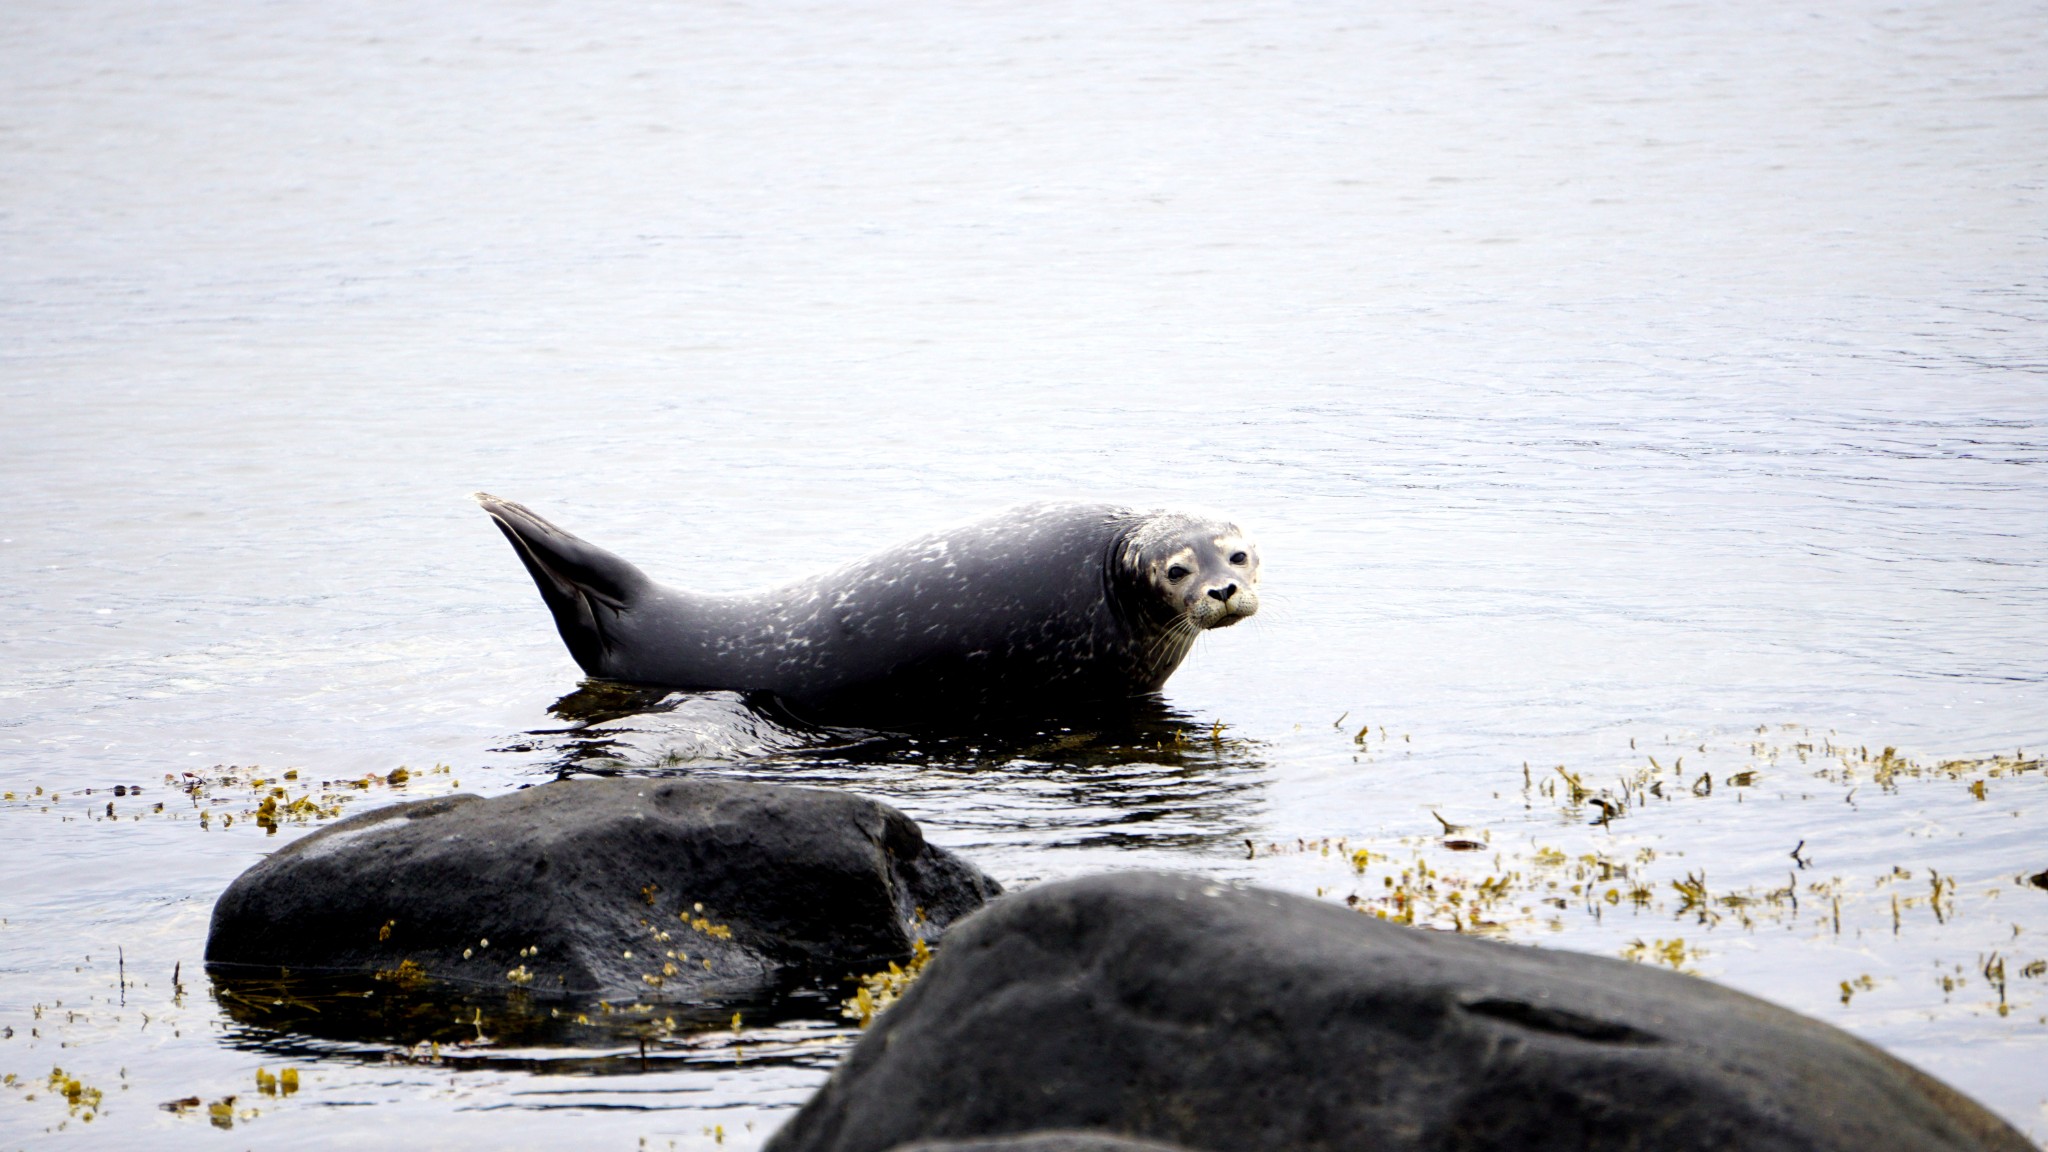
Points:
878	990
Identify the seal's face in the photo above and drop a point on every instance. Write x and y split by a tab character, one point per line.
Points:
1206	571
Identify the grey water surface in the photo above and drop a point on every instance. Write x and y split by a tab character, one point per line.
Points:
1627	398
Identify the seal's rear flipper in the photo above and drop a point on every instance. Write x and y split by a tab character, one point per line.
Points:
584	586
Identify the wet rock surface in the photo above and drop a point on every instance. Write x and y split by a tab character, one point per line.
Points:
1176	1009
657	889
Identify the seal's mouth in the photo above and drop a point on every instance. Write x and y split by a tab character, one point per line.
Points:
1212	613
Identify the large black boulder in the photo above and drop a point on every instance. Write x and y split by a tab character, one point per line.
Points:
658	889
1197	1013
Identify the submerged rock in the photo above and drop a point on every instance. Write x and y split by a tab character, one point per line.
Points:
657	889
1176	1009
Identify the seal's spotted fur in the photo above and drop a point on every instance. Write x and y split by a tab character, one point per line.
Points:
1044	606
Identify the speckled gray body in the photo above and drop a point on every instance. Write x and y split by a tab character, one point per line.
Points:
1043	606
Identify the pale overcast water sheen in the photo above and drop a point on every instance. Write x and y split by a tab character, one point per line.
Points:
1602	382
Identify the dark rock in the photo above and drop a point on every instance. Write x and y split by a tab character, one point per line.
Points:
1067	1141
653	888
1216	1017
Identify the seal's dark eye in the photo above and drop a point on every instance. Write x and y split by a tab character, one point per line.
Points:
1176	573
1237	557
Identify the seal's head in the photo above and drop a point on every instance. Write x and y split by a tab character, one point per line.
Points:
1205	571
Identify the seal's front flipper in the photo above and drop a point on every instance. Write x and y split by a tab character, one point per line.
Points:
586	587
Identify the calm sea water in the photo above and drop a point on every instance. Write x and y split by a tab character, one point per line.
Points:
1655	391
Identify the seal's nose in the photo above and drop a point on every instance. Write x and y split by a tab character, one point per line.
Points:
1223	593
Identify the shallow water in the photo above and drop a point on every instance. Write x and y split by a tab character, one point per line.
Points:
1602	384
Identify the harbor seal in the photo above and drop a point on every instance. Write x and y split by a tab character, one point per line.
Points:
1041	608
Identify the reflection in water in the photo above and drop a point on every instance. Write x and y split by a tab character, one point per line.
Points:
376	1019
1137	772
599	701
670	728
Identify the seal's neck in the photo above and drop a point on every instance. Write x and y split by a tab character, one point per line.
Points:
1155	636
